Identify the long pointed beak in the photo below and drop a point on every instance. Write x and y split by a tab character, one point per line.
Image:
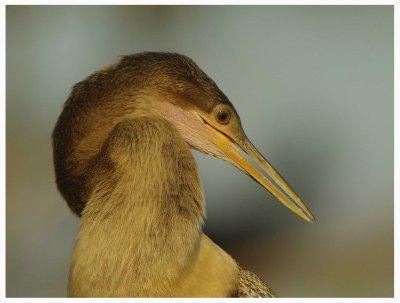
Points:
270	180
230	144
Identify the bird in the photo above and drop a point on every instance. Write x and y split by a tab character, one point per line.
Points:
122	154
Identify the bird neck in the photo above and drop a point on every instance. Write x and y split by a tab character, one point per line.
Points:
142	223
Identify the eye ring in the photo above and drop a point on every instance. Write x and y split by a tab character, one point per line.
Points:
223	116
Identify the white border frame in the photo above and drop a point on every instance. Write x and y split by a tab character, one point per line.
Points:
203	2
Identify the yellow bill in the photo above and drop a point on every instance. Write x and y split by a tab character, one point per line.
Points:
269	178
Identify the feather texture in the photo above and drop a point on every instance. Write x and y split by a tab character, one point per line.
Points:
251	286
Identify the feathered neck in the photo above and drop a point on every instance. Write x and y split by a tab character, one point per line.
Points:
142	222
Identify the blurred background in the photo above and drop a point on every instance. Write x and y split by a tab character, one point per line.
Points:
314	88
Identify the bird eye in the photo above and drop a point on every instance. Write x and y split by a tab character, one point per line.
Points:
223	116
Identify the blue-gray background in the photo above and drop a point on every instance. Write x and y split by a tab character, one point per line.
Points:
314	88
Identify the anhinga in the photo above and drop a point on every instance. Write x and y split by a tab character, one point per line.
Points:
123	163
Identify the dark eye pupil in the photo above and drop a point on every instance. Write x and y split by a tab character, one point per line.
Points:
223	116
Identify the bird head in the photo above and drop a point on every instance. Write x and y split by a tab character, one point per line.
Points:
184	95
169	85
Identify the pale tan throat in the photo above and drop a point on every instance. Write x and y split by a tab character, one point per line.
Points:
213	274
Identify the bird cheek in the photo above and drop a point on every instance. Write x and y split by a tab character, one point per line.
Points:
192	128
200	137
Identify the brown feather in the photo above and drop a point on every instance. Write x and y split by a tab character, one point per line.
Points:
251	286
